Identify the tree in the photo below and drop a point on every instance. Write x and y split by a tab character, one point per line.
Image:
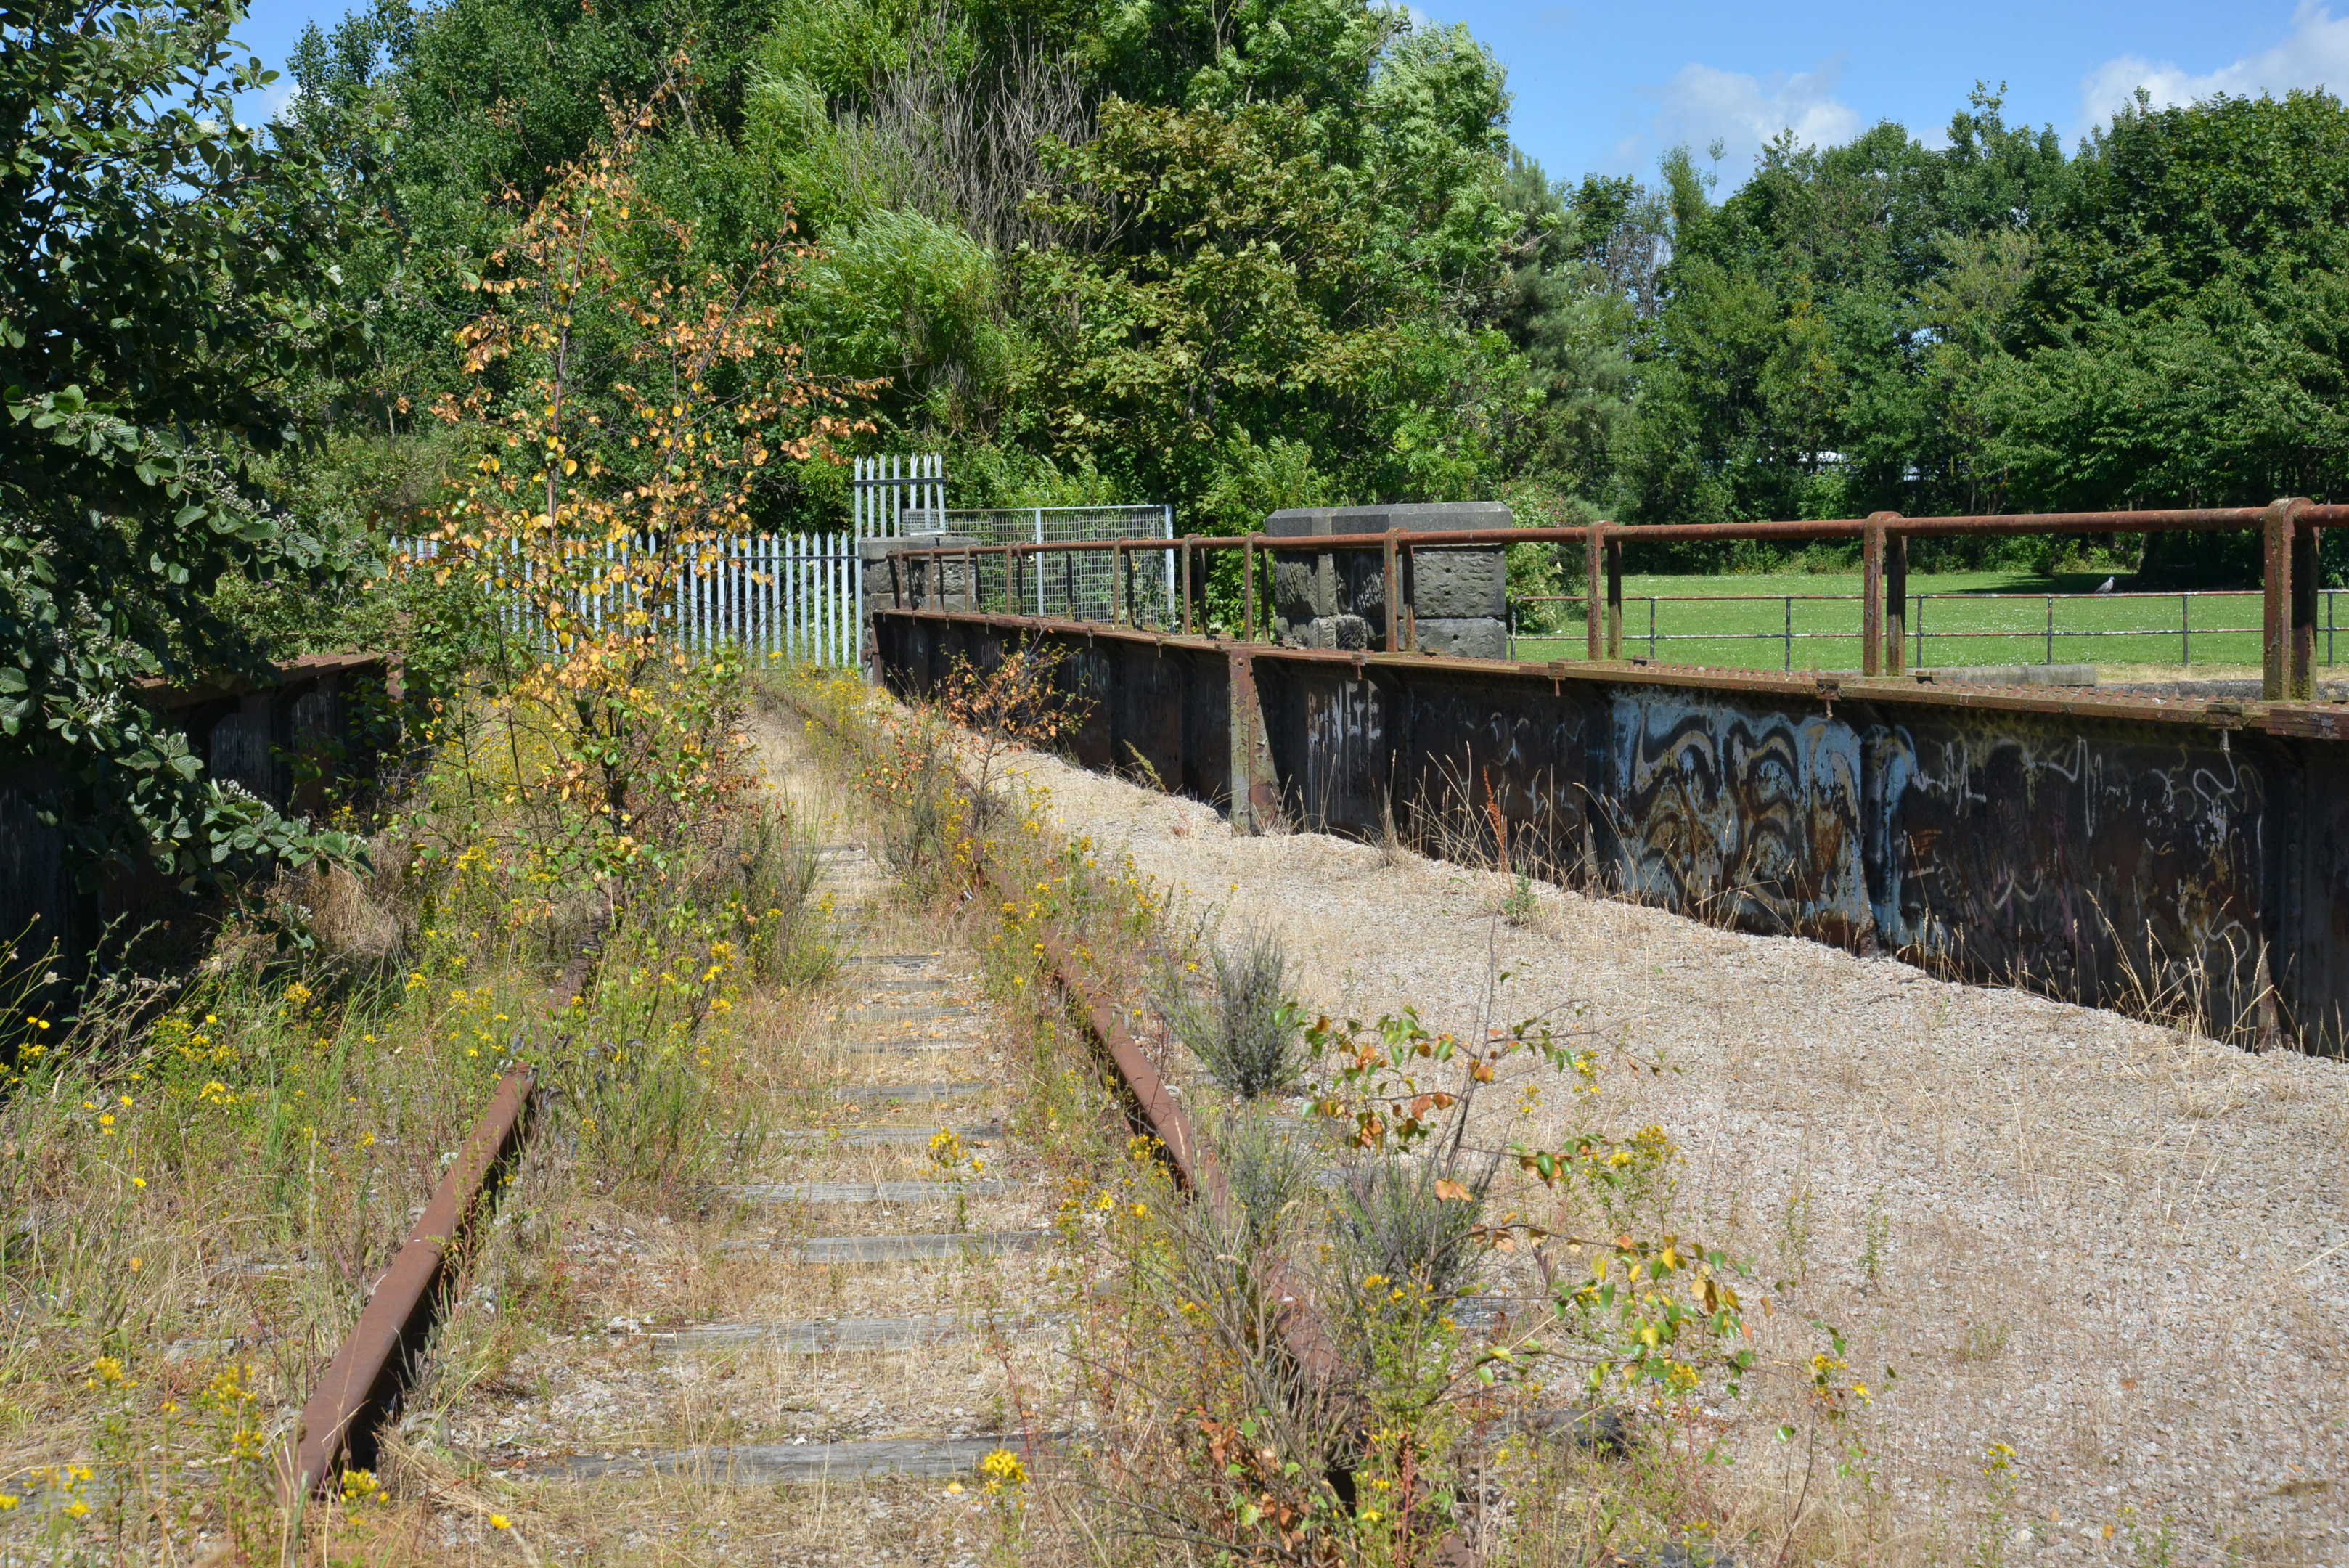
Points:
1286	301
1824	327
2179	341
165	274
596	526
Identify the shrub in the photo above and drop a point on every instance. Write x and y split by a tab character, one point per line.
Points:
1268	1171
1390	1225
1248	1035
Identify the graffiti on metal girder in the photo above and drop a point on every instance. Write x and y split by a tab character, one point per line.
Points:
1749	815
2112	867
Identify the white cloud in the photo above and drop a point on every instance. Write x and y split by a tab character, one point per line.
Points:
2316	54
1702	105
262	105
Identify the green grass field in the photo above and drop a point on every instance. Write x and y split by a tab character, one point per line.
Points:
1742	622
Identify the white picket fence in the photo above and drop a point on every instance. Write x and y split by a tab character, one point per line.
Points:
800	598
790	597
885	488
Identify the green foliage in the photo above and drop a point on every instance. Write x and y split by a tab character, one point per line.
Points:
1247	1034
1824	326
2181	333
903	297
1239	257
168	275
1583	276
1987	327
1260	292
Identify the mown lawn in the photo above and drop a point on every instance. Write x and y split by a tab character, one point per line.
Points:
1743	622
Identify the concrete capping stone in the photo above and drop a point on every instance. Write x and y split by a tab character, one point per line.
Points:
1339	521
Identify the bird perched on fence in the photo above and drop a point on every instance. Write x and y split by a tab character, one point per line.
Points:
2105	586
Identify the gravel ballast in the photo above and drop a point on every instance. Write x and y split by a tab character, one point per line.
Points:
2120	1249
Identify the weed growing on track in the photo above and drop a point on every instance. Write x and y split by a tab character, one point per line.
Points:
1270	1170
1394	1235
1527	1356
1248	1033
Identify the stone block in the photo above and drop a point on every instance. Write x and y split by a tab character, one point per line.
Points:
1460	584
912	572
1350	632
1463	583
1464	637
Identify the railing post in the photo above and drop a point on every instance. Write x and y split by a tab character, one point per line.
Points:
2186	631
1390	587
1614	596
1187	627
1248	589
1790	633
1593	554
1407	574
1871	595
1895	601
2275	618
2302	671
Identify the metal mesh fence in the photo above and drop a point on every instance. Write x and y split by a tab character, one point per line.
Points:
1077	587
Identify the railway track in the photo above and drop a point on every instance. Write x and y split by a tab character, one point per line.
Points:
866	1308
876	1315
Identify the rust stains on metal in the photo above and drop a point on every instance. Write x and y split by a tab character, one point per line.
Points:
365	1378
1255	795
2117	850
369	1371
1158	1115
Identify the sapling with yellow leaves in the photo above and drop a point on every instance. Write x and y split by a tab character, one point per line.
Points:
628	406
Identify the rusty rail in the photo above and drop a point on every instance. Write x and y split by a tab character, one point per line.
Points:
370	1370
2289	528
1156	1113
368	1374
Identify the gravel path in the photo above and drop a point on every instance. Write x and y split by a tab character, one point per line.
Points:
2122	1251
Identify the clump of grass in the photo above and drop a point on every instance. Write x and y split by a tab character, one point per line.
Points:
1247	1035
791	943
1269	1172
1876	1241
1390	1224
1982	1342
1521	908
918	839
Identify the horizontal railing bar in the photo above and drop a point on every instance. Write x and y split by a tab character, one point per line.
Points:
2211	520
1955	595
2170	633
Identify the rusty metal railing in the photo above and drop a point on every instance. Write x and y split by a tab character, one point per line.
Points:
2183	631
2289	528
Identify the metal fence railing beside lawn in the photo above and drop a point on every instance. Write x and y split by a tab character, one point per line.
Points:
1954	629
2296	633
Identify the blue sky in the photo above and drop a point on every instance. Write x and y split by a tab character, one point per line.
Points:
1608	87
